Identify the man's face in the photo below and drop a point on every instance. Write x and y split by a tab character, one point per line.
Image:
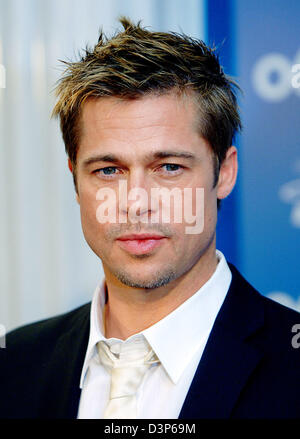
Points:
146	143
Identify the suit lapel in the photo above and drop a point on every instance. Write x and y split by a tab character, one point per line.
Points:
229	357
60	384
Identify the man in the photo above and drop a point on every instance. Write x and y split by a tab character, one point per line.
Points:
173	331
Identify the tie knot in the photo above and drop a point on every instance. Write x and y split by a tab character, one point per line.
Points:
127	362
134	352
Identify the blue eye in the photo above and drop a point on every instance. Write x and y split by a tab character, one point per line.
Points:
172	166
109	172
106	171
172	169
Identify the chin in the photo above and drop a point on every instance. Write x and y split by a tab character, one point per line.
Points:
150	282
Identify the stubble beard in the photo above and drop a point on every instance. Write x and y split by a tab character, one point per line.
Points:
161	278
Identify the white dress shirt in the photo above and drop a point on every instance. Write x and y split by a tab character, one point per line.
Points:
178	341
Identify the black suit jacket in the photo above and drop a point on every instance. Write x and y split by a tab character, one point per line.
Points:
249	368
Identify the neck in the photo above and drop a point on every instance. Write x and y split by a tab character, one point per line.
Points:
131	310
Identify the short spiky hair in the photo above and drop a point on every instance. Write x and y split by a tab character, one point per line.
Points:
135	62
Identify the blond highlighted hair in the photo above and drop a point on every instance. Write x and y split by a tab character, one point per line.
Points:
135	62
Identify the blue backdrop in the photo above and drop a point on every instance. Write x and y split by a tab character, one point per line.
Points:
259	224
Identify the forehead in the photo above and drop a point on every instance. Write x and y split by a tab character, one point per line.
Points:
138	125
149	110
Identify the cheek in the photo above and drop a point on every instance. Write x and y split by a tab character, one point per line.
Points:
203	208
88	209
210	213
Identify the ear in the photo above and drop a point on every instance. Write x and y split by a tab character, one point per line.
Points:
71	169
228	173
70	165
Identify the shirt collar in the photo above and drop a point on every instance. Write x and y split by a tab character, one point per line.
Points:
176	338
96	326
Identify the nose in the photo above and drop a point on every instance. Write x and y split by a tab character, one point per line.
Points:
134	196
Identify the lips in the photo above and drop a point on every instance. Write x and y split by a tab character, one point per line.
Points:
140	243
140	236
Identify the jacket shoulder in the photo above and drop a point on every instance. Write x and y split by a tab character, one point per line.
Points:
270	305
39	360
45	332
279	320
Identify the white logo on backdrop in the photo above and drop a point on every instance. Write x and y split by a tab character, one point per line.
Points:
275	77
296	76
290	193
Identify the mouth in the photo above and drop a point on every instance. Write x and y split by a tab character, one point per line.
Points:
140	244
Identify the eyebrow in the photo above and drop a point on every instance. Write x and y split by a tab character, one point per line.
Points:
111	158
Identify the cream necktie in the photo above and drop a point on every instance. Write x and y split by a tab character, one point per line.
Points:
127	373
